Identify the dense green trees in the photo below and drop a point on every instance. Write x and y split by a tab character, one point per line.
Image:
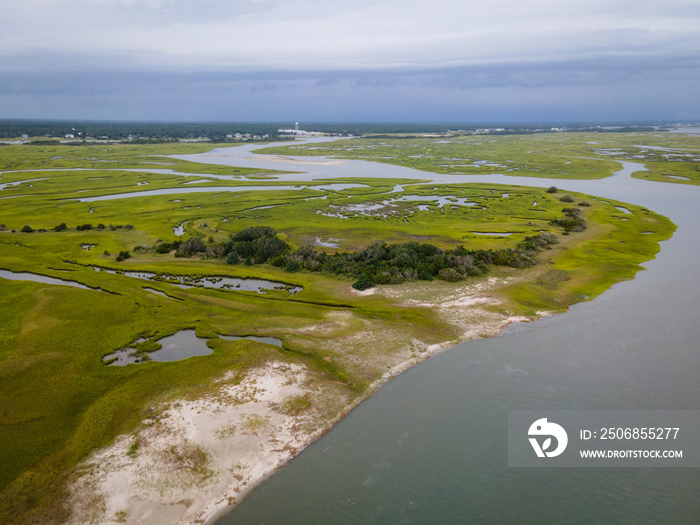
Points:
257	244
191	246
379	263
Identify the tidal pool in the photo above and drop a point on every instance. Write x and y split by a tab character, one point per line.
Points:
179	230
441	200
182	345
37	278
212	281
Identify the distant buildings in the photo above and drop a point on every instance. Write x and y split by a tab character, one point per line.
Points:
246	136
299	132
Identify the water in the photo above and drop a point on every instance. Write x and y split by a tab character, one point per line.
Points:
37	278
181	345
327	243
12	185
493	234
157	292
430	446
267	340
179	230
441	201
212	281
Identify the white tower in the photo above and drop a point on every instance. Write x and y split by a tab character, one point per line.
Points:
296	126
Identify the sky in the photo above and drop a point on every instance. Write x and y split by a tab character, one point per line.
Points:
351	60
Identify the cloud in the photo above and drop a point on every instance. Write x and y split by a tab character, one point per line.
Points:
388	59
312	34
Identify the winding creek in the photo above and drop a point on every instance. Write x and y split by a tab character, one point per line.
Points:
213	281
431	445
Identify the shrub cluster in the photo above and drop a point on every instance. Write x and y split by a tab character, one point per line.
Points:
167	247
81	227
256	245
572	221
191	246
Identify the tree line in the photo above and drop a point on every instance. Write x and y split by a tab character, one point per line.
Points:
378	263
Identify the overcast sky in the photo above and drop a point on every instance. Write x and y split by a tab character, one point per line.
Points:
351	60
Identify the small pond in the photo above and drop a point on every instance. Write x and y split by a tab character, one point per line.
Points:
330	242
182	345
179	230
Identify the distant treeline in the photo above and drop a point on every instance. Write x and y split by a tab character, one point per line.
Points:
154	131
379	263
218	131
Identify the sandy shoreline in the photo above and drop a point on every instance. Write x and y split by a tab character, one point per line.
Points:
197	458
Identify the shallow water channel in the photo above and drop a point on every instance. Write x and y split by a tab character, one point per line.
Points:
431	445
37	278
215	281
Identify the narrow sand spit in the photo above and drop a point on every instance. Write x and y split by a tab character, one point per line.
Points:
197	457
